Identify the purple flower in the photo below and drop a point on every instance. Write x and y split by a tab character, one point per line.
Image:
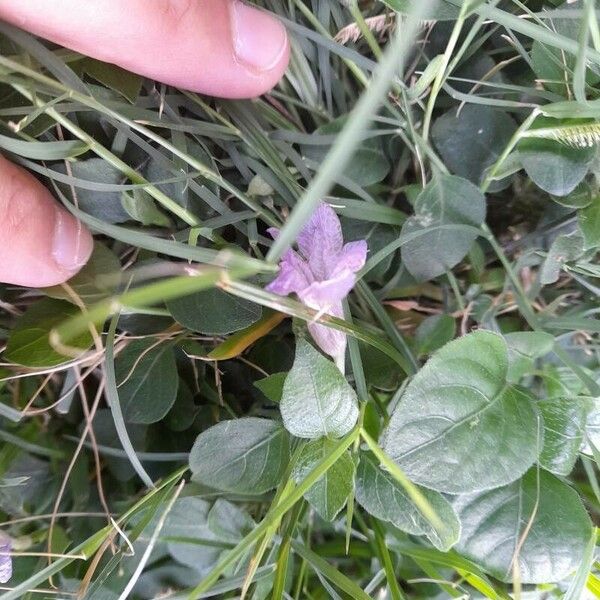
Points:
5	558
322	273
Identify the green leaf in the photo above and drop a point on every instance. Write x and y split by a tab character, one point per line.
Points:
94	181
43	150
329	495
214	312
556	168
383	497
147	380
434	332
317	400
433	242
564	249
272	386
97	280
592	427
28	343
589	223
471	141
524	347
580	197
494	522
140	206
123	82
553	67
198	533
459	426
246	455
564	422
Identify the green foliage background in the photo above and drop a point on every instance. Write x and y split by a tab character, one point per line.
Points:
168	428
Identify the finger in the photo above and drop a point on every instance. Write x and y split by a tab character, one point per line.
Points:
219	47
40	243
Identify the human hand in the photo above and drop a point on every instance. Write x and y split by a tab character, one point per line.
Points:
220	47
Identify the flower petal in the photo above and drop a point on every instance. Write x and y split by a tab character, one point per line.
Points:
323	294
274	232
331	341
352	257
294	275
320	241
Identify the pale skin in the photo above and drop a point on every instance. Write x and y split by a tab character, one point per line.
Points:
219	47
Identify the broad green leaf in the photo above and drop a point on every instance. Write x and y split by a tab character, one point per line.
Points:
95	181
470	141
28	342
434	244
214	312
97	280
459	425
440	10
556	168
592	427
329	495
564	422
434	332
383	497
147	380
199	533
523	348
589	223
246	455
580	197
317	400
494	523
564	249
272	386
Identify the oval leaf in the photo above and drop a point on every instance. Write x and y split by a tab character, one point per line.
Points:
459	426
382	496
214	312
564	423
29	344
246	456
330	493
147	380
494	523
443	228
317	400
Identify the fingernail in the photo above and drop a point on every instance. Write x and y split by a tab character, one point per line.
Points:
259	40
72	243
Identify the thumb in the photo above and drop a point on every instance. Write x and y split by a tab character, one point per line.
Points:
41	244
220	47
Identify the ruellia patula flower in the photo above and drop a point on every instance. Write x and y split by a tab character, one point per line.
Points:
321	274
5	558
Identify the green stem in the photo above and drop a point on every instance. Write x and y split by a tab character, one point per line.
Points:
443	72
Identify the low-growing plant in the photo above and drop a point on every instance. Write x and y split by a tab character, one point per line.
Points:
340	341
